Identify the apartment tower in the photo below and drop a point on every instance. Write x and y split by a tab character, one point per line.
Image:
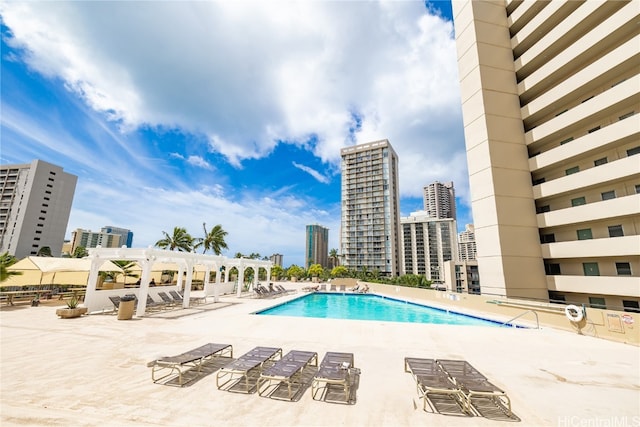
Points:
467	249
370	222
440	200
316	246
550	95
35	203
427	244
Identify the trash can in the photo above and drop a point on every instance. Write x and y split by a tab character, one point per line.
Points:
126	306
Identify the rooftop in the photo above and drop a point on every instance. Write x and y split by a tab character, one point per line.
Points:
93	370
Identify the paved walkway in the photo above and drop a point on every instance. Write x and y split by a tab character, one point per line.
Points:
93	371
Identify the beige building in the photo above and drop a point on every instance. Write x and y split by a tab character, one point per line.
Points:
550	95
35	203
427	243
93	239
370	214
462	277
467	250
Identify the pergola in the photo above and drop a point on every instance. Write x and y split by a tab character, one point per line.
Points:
185	263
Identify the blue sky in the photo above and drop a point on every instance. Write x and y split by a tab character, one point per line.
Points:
179	113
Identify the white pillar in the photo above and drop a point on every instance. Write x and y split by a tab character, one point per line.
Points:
187	285
207	285
216	287
179	280
144	287
240	279
92	281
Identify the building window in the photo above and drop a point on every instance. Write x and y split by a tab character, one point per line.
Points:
637	188
564	141
578	201
590	268
631	306
597	302
626	116
547	238
552	269
593	129
615	231
632	151
543	209
623	268
608	195
572	170
585	234
556	297
600	162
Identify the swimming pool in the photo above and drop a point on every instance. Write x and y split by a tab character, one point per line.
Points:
371	307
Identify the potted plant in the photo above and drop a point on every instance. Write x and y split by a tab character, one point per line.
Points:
35	301
72	309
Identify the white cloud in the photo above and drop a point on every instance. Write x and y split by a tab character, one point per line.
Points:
199	162
314	173
249	74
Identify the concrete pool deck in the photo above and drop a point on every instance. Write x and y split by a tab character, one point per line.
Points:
93	370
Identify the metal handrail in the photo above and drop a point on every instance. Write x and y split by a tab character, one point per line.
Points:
522	314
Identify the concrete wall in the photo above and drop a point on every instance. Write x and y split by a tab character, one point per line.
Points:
607	324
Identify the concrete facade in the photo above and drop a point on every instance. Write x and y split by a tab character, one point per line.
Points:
35	203
550	93
370	215
427	243
467	249
93	239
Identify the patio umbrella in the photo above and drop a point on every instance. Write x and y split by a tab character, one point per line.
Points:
50	270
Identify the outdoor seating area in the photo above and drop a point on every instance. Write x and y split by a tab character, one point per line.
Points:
455	387
190	360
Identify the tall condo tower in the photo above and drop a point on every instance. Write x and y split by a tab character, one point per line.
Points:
440	200
370	223
550	95
35	203
316	246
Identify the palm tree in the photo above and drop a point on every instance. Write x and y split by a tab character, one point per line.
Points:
44	251
180	240
7	260
80	252
127	268
333	255
212	240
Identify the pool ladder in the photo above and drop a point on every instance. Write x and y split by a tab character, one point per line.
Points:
522	314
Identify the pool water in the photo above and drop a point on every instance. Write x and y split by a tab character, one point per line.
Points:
370	307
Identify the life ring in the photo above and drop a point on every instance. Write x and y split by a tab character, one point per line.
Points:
574	313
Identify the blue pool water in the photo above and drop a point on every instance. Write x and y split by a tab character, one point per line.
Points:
370	307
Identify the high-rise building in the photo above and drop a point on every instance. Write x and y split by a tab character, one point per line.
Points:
427	244
126	236
93	239
316	246
35	203
440	200
276	259
467	244
370	222
462	277
550	95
